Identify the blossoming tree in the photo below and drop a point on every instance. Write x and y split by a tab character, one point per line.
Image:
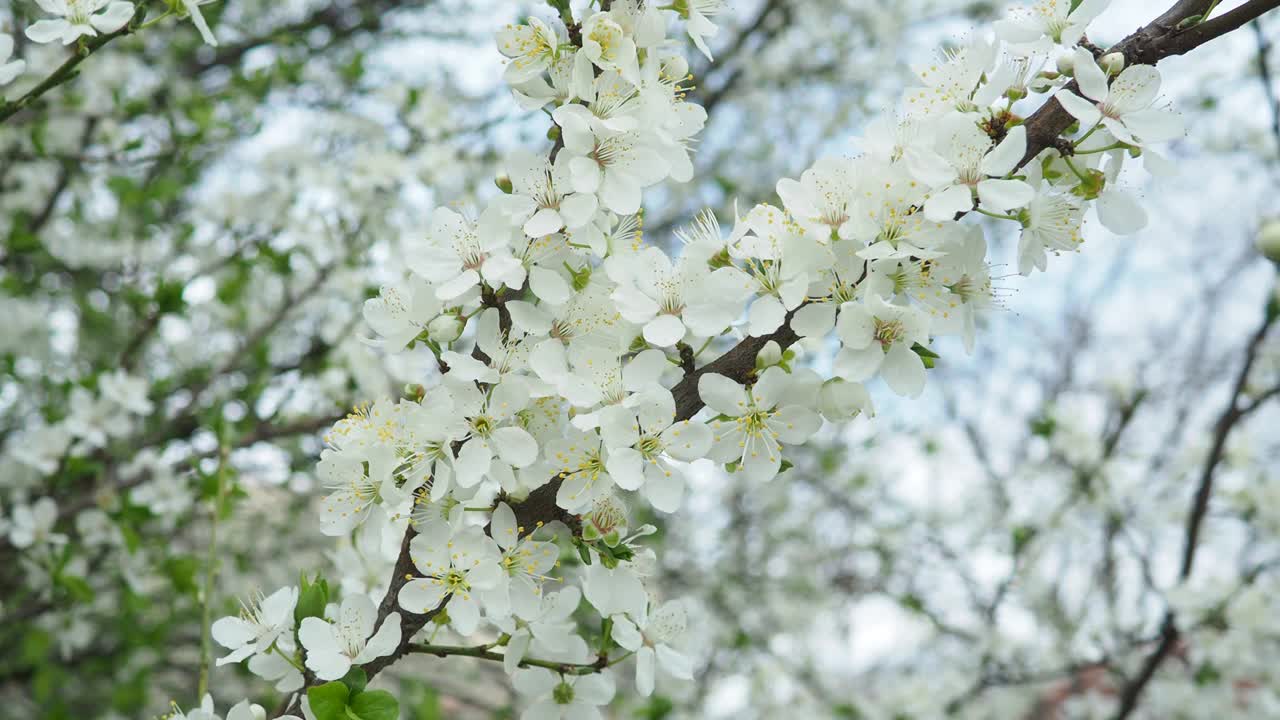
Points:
577	371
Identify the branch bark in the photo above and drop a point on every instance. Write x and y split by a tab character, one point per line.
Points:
1228	420
1148	45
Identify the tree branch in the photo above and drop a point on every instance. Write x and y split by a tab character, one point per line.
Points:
484	652
1150	44
67	70
1228	420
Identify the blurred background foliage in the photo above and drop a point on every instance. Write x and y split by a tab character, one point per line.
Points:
210	219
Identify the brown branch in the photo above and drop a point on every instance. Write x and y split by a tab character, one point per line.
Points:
712	97
1228	420
1150	44
1268	84
342	22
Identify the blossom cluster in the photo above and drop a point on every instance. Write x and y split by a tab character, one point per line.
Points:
75	20
581	363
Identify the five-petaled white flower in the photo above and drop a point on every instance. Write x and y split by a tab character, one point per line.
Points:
79	17
652	637
616	166
964	164
672	299
402	311
541	200
756	421
333	647
531	48
878	336
549	629
459	253
640	435
1062	21
1124	108
262	623
525	563
456	563
32	525
359	479
9	69
563	697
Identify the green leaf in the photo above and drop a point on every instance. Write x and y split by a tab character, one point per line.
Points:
1043	426
848	711
78	587
1190	22
181	570
329	701
923	351
355	679
658	708
312	598
1022	535
928	356
169	297
375	705
1207	674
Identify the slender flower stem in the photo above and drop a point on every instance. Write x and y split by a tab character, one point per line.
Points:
288	658
211	567
1074	170
1112	146
67	70
988	213
1091	131
156	19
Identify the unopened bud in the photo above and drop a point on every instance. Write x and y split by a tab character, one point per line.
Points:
769	355
445	328
844	400
1112	63
1066	64
503	182
1268	240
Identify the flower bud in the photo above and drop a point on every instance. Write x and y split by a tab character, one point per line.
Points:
445	328
1066	64
1112	63
562	693
844	400
503	181
1268	239
769	355
1042	82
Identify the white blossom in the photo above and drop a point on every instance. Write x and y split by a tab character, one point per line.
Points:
333	646
79	17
